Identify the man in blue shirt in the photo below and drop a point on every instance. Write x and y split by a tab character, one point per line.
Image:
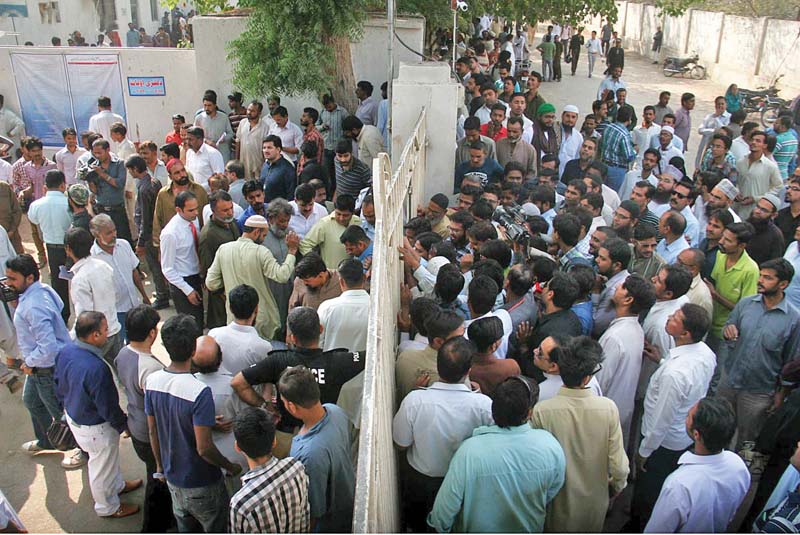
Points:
479	166
180	415
85	386
481	491
41	334
323	446
278	176
254	195
106	179
357	244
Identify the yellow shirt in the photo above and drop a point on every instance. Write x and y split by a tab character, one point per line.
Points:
324	235
739	281
588	429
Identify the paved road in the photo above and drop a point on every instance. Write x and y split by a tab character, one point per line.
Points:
49	499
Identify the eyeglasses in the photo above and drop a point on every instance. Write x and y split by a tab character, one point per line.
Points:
599	367
762	209
793	188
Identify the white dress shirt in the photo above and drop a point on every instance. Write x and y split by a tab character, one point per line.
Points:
179	252
92	288
226	403
679	382
622	343
603	312
692	232
655	332
241	346
204	163
641	139
552	383
670	251
433	422
237	211
291	136
631	178
123	261
67	163
610	198
508	329
658	209
344	321
101	123
702	495
300	224
739	148
418	343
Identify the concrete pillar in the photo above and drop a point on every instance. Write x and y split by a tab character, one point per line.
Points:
427	85
688	31
762	38
719	41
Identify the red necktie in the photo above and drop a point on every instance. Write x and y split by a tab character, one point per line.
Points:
196	240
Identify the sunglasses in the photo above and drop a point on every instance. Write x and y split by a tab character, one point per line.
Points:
679	195
531	400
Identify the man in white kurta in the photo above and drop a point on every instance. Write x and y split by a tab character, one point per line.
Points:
250	138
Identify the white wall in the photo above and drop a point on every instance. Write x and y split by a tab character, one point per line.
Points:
151	115
370	62
747	51
77	15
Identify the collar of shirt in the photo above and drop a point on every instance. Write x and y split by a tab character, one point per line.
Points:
89	347
259	470
457	387
692	458
497	430
739	265
79	265
317	426
575	392
783	305
249	329
686	349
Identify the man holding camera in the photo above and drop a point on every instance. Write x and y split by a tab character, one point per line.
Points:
106	178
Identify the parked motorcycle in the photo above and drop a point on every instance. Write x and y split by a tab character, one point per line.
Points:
673	66
763	101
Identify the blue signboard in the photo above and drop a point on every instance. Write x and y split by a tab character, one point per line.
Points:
146	86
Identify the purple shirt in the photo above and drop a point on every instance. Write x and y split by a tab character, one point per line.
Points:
35	175
683	125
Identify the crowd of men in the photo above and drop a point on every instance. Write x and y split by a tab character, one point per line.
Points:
578	313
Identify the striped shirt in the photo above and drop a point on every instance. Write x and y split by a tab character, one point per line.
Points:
333	120
352	181
273	499
617	146
785	151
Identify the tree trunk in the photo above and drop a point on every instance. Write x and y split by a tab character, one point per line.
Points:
344	80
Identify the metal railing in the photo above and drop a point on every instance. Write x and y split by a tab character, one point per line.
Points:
377	500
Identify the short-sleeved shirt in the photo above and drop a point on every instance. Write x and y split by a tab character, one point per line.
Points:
331	369
733	284
325	453
180	402
134	368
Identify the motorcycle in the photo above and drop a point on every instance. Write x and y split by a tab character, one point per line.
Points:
673	66
763	101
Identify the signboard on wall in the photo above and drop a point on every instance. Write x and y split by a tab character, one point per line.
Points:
146	86
13	8
61	90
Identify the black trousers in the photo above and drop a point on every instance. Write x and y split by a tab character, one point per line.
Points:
162	519
419	494
659	466
151	254
57	257
181	302
575	56
120	218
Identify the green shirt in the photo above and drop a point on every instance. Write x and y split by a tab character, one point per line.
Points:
324	235
732	284
245	262
547	50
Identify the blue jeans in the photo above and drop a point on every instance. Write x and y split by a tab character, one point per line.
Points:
616	177
123	333
547	69
201	509
40	399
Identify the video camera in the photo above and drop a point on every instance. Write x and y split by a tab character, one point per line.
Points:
7	293
512	219
88	172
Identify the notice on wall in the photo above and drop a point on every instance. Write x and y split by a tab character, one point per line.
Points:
146	86
45	104
61	90
13	8
90	77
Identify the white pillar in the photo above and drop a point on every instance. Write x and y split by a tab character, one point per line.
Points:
429	85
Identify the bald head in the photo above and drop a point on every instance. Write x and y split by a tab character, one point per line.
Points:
207	355
693	260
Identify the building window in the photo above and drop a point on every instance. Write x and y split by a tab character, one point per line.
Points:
49	12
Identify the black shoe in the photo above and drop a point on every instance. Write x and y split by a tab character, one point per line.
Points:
160	305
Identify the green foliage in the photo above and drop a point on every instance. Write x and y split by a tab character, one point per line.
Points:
287	46
203	7
781	9
536	10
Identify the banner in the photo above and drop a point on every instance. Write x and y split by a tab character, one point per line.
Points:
58	91
43	97
92	76
13	8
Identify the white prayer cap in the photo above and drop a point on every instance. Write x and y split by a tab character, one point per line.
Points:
727	187
571	108
530	209
668	128
256	221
